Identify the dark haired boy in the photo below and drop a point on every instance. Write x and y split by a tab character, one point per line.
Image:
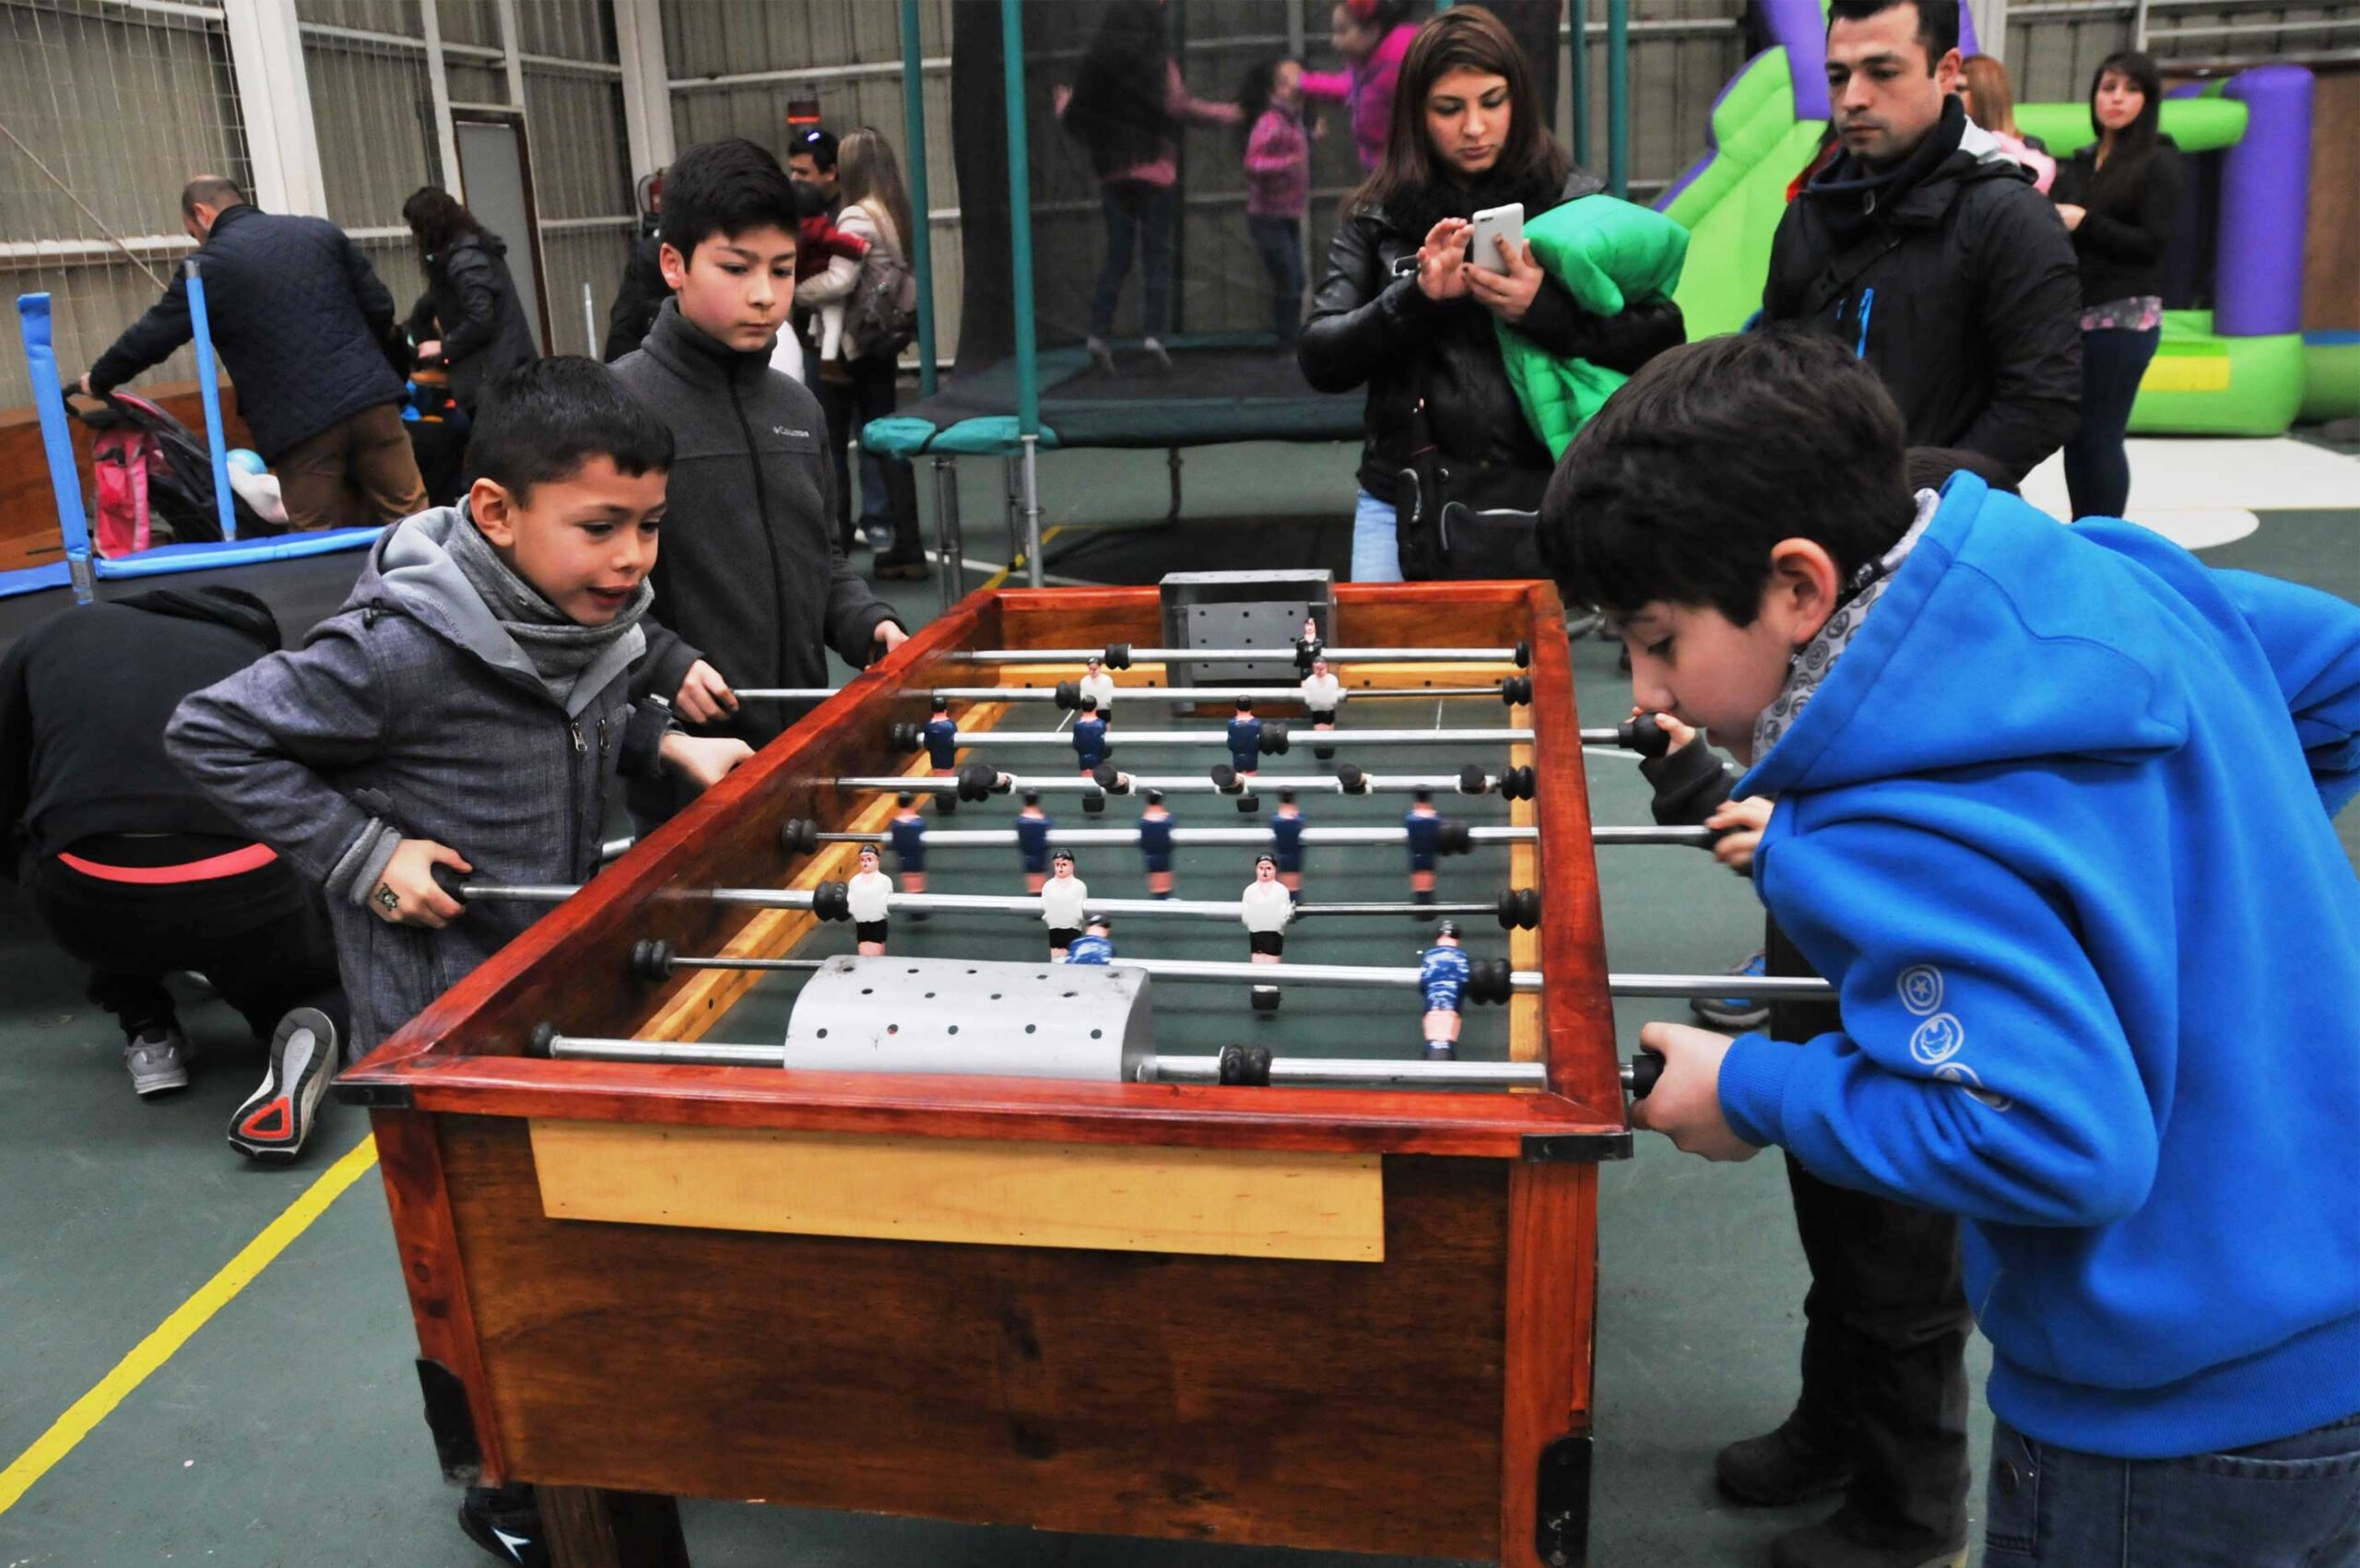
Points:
754	582
469	704
2054	819
1926	251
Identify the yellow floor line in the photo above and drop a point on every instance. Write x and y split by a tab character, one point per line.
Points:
997	578
176	1331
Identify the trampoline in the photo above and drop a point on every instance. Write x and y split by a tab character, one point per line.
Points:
1030	208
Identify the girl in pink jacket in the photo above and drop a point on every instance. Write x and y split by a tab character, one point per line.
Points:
1372	36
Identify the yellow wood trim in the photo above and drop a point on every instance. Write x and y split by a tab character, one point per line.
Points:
1107	1197
701	1004
1525	1040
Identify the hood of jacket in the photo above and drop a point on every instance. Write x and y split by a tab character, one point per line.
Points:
1899	702
410	572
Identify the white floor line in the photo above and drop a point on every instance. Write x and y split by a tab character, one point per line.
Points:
2201	491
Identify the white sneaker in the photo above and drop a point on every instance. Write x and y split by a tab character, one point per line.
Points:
1101	355
158	1060
278	1117
1154	346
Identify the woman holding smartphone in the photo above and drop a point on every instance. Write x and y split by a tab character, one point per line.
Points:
1405	311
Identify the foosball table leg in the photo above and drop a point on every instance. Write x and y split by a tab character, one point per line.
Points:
590	1526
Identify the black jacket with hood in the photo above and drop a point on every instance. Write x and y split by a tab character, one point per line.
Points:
1371	325
1954	278
472	304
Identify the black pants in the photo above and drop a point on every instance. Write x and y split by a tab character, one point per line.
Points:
2098	470
1884	1331
850	405
257	936
1278	241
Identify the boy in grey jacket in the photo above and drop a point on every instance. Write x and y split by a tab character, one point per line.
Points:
752	578
470	703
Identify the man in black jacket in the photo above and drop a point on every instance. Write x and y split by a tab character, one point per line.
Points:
1928	252
301	320
134	872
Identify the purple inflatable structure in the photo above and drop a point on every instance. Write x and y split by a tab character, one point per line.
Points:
2257	273
1802	27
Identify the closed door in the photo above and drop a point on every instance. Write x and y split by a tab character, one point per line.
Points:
500	194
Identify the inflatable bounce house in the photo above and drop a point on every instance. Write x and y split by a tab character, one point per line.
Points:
2233	359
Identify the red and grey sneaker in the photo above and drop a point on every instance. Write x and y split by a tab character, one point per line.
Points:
276	1118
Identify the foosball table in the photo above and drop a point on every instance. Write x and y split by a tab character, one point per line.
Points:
1192	1234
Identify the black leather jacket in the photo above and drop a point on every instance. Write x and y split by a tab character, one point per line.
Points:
1371	325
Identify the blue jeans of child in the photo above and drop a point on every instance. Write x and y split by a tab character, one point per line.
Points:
1135	208
1277	241
1377	551
2292	1503
2098	470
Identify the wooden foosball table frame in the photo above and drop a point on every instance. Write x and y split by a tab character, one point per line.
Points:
1355	1320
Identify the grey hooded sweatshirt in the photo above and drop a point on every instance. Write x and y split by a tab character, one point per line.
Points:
412	714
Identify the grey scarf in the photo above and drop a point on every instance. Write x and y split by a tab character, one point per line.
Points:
1810	666
559	646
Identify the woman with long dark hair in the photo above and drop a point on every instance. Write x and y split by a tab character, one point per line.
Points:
859	387
470	315
2120	197
1125	108
1405	311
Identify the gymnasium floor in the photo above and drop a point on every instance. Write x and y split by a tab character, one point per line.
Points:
205	1361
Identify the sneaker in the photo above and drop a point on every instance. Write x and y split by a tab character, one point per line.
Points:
506	1522
911	569
1841	1541
1736	1012
158	1060
880	536
276	1118
1154	346
1101	355
1780	1468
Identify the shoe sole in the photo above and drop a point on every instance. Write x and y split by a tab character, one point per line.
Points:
276	1120
149	1087
1780	1500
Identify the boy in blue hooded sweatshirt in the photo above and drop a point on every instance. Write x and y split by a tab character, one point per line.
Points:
2054	818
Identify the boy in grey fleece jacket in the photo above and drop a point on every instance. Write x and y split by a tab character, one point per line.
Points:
470	703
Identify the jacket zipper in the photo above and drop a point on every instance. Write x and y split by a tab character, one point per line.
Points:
770	541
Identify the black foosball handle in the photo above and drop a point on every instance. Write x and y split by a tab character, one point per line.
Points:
449	878
1640	1073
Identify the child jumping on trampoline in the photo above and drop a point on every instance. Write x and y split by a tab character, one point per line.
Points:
1126	107
1277	185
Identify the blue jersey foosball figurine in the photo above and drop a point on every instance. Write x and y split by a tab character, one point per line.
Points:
1442	979
1096	945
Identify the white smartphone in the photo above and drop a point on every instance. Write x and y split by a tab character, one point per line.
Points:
1492	225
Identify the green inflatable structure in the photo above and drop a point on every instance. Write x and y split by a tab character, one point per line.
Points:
2243	367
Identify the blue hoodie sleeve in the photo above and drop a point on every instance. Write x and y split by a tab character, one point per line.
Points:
1980	1070
2312	641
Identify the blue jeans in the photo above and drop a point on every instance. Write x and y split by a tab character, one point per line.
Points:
1377	553
2292	1503
1278	241
2097	471
1135	207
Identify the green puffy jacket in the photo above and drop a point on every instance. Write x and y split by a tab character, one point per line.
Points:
1606	254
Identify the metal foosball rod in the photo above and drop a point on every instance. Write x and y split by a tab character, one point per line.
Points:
655	961
1001	739
1075	838
1233	1065
1514	906
1122	655
1516	691
1512	784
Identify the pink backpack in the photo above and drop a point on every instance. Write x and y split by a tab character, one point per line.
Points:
120	526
